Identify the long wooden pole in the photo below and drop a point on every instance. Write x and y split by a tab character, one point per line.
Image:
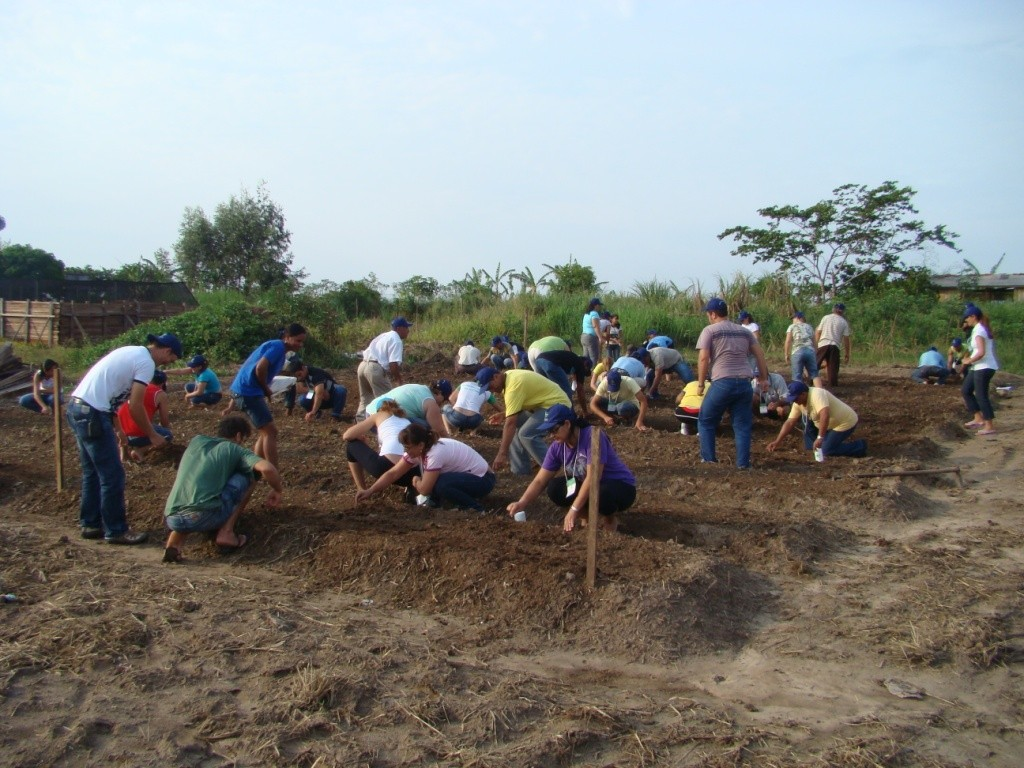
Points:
58	433
595	493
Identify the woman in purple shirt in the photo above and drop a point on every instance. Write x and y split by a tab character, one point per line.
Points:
566	472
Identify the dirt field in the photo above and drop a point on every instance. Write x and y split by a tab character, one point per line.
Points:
745	618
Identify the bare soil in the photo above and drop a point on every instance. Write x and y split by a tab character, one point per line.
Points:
744	618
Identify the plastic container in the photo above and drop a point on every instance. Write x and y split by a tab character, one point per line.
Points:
819	455
520	516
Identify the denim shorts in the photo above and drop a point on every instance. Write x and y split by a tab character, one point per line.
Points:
212	519
143	440
257	409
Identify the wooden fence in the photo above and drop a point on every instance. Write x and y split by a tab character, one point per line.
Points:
70	322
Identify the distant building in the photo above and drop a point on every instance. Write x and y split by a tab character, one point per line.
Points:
1005	287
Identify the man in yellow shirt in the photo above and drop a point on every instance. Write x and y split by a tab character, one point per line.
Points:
828	421
527	396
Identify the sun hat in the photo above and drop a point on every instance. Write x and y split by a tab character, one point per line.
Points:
168	340
718	306
614	379
796	388
483	377
557	415
400	322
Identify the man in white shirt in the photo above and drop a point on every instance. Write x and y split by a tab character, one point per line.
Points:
381	368
122	374
833	332
468	359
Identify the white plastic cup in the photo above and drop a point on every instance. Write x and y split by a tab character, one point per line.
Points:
421	500
520	516
819	455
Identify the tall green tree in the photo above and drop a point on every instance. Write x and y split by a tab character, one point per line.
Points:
572	277
835	241
25	261
245	246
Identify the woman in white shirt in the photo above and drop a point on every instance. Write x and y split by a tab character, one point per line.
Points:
983	367
389	420
452	471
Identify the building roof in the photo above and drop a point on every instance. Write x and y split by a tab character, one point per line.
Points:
1006	280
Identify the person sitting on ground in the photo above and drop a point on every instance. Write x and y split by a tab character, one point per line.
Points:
567	474
827	422
771	402
619	396
468	358
206	389
688	408
421	403
212	488
464	409
500	353
322	391
134	440
931	365
389	420
40	399
599	371
956	357
452	471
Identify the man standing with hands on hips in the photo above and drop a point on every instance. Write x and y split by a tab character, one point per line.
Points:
122	374
723	348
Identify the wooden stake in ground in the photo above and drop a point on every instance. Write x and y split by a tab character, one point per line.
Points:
595	492
58	433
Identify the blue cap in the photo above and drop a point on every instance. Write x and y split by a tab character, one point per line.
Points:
744	315
796	388
652	331
799	314
400	322
972	311
168	340
483	377
496	340
840	306
196	361
957	342
444	387
614	379
595	302
718	306
556	416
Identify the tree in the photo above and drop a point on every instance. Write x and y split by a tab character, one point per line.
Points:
245	247
836	241
572	277
159	269
25	261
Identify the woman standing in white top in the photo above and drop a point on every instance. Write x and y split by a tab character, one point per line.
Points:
983	367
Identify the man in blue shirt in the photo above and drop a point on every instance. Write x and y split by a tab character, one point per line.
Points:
931	365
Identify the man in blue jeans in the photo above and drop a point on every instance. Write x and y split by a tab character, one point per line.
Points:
724	347
827	420
122	374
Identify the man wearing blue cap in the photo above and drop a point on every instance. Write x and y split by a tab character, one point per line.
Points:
833	331
724	348
931	365
381	367
122	374
618	395
827	420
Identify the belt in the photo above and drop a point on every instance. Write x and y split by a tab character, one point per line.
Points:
371	361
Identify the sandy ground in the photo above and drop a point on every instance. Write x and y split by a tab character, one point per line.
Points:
765	618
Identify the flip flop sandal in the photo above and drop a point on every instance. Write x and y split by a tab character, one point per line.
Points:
986	432
172	555
226	549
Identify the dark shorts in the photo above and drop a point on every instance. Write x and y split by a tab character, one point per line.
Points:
257	409
139	442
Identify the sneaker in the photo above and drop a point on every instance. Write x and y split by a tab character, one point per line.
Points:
129	537
91	533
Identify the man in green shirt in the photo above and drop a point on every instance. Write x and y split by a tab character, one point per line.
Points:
214	482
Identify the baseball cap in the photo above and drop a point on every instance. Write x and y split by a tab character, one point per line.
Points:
796	388
744	315
957	342
495	341
168	340
196	361
718	306
400	322
595	302
972	311
614	379
557	414
444	387
799	314
652	331
484	375
840	306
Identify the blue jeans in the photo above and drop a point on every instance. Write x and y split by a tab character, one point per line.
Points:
803	359
922	373
464	488
555	374
143	440
680	369
28	401
207	398
833	444
212	519
335	400
627	410
732	395
528	442
102	503
461	420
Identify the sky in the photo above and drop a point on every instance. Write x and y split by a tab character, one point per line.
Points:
434	138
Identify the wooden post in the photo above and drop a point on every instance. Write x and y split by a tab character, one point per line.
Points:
595	492
58	433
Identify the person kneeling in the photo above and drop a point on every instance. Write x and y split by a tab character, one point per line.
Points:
214	482
828	422
566	472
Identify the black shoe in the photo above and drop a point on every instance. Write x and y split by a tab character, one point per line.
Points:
129	537
91	533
